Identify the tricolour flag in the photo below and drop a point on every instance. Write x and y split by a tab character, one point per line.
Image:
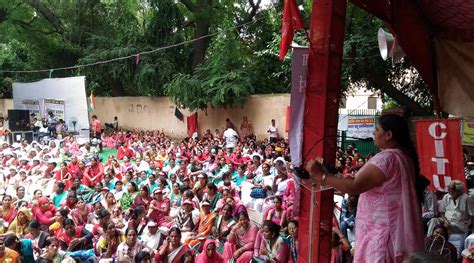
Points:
91	102
291	21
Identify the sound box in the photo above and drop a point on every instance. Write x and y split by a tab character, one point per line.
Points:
19	120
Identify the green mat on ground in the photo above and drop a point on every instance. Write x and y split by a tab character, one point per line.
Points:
106	152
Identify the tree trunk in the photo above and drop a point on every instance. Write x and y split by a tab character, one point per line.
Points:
200	45
54	21
404	100
116	87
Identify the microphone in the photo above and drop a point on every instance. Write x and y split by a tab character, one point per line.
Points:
301	172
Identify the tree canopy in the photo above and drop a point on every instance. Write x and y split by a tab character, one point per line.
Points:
199	52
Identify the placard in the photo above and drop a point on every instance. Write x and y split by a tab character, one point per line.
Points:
56	106
360	127
33	106
468	132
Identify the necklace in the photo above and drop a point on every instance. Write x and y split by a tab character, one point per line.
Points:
242	230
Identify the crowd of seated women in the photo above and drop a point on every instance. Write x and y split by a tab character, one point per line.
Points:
153	201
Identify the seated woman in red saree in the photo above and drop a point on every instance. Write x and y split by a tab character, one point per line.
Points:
159	208
72	238
124	150
94	173
8	211
143	199
209	253
81	213
172	249
73	167
240	242
63	175
44	213
206	222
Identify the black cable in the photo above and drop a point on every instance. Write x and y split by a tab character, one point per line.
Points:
301	172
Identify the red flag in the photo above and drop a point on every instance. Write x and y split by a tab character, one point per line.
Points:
291	21
137	59
192	122
440	151
287	126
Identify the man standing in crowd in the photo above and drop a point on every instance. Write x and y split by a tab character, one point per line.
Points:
273	132
231	138
52	122
97	130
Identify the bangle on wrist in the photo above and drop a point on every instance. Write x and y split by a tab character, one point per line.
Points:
323	178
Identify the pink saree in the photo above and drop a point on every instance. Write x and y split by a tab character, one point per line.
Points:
236	240
388	222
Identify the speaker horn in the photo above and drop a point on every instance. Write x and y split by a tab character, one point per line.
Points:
388	46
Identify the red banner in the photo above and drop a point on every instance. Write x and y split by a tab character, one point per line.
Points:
440	151
192	122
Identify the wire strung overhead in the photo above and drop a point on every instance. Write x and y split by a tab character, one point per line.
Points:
137	55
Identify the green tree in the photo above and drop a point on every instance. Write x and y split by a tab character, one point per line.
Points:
220	81
363	65
234	54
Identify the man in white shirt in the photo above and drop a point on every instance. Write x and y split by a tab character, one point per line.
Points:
231	139
273	132
456	210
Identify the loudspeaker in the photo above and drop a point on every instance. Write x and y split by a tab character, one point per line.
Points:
19	120
389	47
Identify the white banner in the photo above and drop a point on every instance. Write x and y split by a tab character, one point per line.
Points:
56	106
33	106
360	127
71	91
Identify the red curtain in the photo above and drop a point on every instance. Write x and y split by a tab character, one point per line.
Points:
192	122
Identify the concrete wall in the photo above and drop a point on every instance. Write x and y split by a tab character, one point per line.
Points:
5	105
157	113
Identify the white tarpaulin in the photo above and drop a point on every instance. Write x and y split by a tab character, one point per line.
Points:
455	77
72	91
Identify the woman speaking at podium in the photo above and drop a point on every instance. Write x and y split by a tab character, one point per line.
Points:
388	222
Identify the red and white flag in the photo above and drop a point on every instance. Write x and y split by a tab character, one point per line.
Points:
440	151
